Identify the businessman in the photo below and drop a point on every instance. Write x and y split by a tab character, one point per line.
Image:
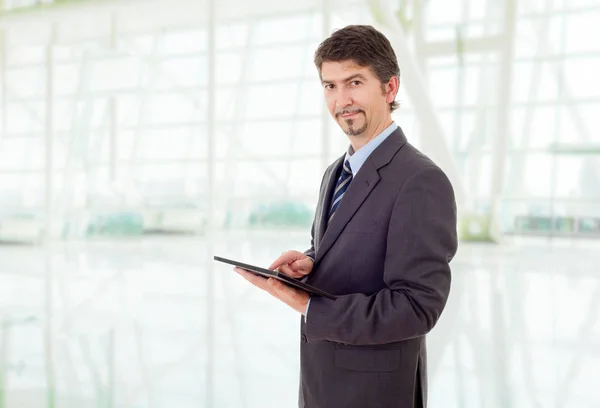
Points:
383	236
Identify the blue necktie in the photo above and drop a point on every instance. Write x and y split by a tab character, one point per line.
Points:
340	188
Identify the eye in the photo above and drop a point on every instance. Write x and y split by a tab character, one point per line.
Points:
329	86
356	83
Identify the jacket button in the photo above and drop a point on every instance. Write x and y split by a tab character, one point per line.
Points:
304	340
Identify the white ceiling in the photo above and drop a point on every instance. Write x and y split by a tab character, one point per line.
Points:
93	18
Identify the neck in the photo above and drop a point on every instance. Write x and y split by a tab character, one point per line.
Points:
359	141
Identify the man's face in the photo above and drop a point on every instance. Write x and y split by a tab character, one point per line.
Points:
354	97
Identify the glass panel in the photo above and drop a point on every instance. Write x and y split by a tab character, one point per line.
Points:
580	27
287	29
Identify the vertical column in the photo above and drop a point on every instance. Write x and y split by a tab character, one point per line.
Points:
211	197
503	115
112	106
561	98
111	362
3	360
48	220
48	135
500	151
3	79
325	125
49	330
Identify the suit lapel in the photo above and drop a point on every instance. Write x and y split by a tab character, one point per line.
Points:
326	196
357	192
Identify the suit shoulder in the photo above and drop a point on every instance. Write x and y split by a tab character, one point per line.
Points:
410	165
411	160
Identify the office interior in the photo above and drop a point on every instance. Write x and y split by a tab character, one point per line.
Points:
139	138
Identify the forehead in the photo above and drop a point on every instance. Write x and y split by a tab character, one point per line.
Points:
335	71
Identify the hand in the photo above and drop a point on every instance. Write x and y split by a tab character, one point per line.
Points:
293	264
294	298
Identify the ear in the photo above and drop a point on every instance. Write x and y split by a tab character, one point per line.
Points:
391	89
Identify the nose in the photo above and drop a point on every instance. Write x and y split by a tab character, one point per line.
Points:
344	98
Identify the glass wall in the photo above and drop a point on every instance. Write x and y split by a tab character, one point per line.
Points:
105	135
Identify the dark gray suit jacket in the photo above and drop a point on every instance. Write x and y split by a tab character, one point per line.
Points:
386	255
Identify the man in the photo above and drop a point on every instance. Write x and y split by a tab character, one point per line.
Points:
383	236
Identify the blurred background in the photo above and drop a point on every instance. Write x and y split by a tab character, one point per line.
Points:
139	138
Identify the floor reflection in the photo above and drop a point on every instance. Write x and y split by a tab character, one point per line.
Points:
134	324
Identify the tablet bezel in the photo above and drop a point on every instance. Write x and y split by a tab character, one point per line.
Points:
257	270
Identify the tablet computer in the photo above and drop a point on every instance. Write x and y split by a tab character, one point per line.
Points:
279	276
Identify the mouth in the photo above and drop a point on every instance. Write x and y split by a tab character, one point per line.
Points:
349	115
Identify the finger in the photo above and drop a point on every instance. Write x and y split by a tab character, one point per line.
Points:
280	290
302	264
287	294
288	271
282	259
276	287
285	258
256	280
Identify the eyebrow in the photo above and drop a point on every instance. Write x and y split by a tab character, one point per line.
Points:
351	77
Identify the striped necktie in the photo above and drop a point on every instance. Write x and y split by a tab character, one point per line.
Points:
340	188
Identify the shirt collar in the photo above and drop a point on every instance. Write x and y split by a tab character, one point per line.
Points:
358	158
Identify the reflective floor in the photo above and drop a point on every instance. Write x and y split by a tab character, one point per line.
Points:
155	323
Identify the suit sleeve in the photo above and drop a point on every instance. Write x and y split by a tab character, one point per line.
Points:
421	242
311	251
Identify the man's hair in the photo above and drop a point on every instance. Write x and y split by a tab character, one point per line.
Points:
366	47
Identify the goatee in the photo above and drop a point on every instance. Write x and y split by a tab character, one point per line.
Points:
354	131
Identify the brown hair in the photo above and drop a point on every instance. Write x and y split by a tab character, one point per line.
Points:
364	45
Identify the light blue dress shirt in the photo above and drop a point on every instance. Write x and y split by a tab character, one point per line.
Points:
358	158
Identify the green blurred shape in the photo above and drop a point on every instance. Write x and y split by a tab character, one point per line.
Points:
575	149
121	224
545	224
564	224
589	225
280	214
475	228
533	223
378	14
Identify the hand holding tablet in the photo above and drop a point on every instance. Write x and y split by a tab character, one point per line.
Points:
276	275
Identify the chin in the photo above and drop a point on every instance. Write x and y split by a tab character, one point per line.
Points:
353	129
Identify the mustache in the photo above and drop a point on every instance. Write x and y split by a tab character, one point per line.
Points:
346	111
